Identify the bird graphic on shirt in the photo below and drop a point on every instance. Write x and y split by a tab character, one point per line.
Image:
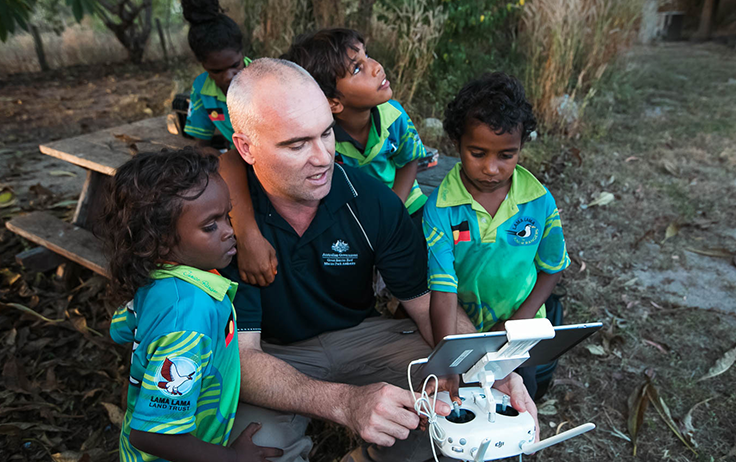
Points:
526	232
173	379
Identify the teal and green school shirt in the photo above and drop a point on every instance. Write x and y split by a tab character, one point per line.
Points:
492	262
208	109
185	367
392	143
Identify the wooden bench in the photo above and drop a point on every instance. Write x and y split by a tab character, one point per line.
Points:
101	153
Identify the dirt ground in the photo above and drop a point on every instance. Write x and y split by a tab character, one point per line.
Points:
655	264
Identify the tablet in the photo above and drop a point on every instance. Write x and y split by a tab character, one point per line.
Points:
456	354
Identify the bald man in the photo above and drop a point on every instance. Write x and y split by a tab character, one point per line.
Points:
311	343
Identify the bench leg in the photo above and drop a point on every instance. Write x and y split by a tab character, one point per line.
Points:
91	200
39	259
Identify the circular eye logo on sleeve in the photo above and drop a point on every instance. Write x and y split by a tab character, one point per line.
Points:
524	231
176	376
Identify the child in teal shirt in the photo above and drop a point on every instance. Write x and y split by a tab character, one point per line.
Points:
217	44
493	231
166	230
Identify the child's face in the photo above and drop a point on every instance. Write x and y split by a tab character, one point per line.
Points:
222	66
206	239
488	159
365	86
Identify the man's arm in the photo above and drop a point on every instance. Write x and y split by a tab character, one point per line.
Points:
257	261
404	179
380	413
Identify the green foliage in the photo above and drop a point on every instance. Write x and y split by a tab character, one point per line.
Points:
12	13
478	37
19	12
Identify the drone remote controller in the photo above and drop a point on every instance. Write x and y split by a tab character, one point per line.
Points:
485	426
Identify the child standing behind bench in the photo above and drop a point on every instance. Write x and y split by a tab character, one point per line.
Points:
372	133
217	44
493	231
166	229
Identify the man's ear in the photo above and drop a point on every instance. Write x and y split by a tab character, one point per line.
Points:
243	144
335	105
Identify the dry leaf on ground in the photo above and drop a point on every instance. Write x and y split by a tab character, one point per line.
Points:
722	365
671	231
637	405
603	198
664	413
687	428
115	414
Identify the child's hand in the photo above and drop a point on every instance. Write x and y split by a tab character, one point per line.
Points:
247	451
257	261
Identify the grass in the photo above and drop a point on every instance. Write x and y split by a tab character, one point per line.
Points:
678	174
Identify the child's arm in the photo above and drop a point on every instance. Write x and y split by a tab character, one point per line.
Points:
443	308
256	256
542	290
404	179
187	448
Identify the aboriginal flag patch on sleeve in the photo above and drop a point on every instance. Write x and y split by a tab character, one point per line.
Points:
229	330
216	114
461	232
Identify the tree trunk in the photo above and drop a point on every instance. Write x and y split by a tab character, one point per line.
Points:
38	42
365	14
706	20
163	41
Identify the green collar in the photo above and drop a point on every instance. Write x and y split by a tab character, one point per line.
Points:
387	115
524	188
215	285
211	89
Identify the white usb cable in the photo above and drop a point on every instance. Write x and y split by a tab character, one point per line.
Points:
425	405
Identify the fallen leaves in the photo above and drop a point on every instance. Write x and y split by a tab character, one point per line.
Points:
671	231
642	396
722	365
115	414
604	198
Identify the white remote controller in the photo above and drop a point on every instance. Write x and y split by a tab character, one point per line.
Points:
486	426
469	431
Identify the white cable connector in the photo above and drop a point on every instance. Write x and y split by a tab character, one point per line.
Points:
425	405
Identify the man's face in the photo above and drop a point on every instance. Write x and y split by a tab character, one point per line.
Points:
222	66
293	151
365	86
206	239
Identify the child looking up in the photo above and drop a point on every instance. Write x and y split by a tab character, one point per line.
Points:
217	44
493	231
166	229
372	133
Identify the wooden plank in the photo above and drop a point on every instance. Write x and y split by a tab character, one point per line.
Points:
91	200
40	259
431	178
103	152
75	243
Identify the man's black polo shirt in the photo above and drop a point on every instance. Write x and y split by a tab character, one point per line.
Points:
325	277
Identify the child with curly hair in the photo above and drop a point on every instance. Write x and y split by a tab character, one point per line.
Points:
166	230
493	231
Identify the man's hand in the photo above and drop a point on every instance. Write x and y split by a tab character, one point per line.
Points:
247	451
257	261
382	413
513	385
